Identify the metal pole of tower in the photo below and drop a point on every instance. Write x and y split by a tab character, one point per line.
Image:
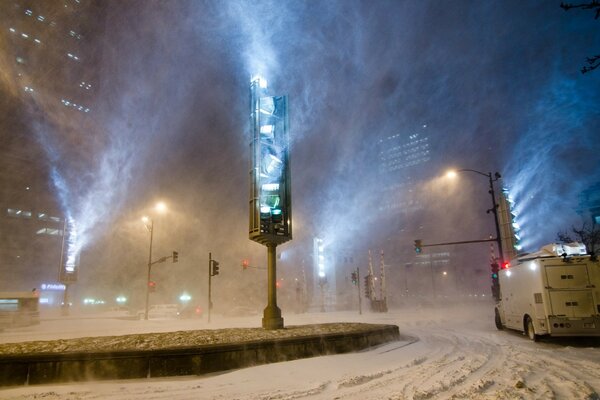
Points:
272	314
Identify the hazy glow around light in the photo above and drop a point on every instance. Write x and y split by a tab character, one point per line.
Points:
185	297
161	207
508	273
451	174
262	82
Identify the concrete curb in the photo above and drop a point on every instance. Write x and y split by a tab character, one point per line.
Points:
32	369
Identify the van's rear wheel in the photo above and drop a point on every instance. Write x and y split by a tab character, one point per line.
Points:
497	319
530	330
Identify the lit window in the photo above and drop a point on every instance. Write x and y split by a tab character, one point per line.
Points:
12	212
37	41
55	219
49	232
28	12
25	35
41	18
12	30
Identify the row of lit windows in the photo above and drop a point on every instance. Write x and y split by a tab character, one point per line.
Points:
41	18
427	263
50	232
399	165
76	106
406	154
25	35
414	143
410	137
16	213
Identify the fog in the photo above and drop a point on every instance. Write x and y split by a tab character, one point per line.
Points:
495	86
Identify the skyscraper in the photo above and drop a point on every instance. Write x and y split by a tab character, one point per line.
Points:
48	81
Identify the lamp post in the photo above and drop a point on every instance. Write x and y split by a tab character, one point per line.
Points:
160	207
492	178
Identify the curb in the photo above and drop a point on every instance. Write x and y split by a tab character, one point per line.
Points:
33	369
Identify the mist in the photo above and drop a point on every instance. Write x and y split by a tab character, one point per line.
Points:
495	86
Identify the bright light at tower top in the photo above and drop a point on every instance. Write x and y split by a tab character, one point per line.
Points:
262	82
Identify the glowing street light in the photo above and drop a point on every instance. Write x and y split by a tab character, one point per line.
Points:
184	298
160	207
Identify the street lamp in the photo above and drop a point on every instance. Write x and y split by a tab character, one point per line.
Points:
149	223
492	178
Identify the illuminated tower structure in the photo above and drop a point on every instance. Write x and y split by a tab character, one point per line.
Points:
509	228
270	195
48	85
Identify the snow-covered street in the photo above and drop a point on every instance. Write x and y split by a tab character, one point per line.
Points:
446	352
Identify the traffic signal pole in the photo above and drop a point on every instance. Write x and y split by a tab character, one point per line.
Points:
209	284
149	267
358	286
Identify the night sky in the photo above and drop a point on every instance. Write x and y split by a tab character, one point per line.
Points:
496	83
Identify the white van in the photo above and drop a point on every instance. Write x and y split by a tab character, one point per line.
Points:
554	292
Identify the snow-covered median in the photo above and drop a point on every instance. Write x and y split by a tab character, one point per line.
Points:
164	340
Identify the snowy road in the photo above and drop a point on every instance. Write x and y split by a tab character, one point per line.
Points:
446	353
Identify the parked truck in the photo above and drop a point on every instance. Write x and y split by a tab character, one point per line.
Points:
553	292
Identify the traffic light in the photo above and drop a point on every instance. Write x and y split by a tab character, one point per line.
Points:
495	281
215	268
418	246
175	256
245	264
354	278
368	286
495	269
152	286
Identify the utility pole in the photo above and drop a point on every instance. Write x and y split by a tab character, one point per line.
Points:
149	267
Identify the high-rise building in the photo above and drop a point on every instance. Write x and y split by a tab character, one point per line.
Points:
401	157
48	81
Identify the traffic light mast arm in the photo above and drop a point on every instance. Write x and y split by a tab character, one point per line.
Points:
462	242
163	259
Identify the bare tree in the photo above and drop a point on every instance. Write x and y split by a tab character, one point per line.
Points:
594	61
586	234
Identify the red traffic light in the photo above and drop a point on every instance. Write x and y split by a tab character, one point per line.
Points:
245	264
505	265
